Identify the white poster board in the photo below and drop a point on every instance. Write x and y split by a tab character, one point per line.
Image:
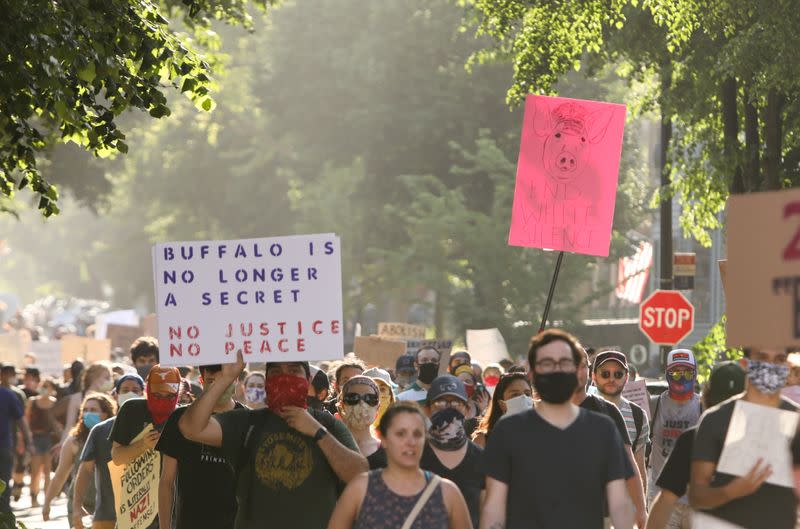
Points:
118	317
275	299
755	432
636	392
48	357
136	488
486	346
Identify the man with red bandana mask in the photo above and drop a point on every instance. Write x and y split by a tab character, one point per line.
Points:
676	410
162	389
285	456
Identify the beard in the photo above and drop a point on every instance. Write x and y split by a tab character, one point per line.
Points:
613	393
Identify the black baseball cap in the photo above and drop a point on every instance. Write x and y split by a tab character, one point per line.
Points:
608	356
405	362
447	385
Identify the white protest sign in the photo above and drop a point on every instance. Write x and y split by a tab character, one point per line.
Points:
757	431
119	317
486	346
636	392
402	331
136	488
275	299
48	357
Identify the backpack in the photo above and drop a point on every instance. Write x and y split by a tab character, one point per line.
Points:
638	421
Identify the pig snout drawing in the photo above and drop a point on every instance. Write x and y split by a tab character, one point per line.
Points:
569	134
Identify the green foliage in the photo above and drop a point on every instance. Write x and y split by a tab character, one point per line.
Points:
69	69
713	349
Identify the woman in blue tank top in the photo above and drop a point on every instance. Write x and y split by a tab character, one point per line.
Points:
388	497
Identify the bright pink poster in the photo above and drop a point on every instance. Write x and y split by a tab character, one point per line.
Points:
567	175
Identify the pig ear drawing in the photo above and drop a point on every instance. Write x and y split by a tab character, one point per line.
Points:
597	124
542	124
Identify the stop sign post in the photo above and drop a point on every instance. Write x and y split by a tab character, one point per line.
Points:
666	317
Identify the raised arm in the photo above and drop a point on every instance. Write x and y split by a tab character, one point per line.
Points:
197	424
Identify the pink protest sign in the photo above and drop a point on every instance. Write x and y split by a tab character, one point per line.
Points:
567	175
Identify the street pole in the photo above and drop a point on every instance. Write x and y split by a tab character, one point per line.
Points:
665	281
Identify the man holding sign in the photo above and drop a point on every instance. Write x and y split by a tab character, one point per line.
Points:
286	458
754	491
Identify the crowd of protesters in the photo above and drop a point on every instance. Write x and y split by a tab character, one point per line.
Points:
547	443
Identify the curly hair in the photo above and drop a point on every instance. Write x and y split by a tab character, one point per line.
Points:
107	405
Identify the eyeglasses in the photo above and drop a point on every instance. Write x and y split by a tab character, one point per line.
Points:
617	374
677	375
352	399
441	404
546	365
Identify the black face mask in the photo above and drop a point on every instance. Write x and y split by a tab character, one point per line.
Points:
447	430
556	387
428	372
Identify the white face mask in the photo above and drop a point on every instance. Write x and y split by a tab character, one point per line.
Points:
518	404
122	399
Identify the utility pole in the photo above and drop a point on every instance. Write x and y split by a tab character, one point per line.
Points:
665	281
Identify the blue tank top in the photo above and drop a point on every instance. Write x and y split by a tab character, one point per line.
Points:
383	508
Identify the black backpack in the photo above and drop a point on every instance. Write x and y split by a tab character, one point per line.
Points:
638	421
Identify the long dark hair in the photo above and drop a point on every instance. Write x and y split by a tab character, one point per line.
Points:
493	415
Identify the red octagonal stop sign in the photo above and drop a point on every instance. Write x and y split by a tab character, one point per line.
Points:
666	317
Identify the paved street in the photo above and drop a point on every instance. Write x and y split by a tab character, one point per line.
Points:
32	517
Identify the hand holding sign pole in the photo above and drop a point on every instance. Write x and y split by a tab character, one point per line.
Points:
567	177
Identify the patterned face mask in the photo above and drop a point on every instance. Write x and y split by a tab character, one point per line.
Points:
766	377
359	416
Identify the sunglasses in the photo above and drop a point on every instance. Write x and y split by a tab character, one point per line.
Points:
617	374
677	375
352	399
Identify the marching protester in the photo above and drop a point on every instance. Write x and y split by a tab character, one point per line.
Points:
745	501
45	431
384	381
491	376
676	410
97	378
255	394
405	372
345	370
11	411
20	433
553	466
318	390
95	408
195	478
144	355
725	381
458	358
449	453
479	397
596	404
610	375
426	364
285	457
358	408
96	455
402	495
511	386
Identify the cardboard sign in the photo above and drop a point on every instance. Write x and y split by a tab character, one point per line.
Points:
118	317
90	349
403	331
48	357
636	392
486	346
13	347
723	274
123	336
763	294
136	488
378	351
275	299
443	346
757	431
567	175
150	325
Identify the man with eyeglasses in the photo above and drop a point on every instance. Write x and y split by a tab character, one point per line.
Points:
610	376
449	453
600	405
747	501
553	466
676	410
426	362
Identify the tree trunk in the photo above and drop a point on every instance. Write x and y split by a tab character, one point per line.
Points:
773	136
730	130
752	169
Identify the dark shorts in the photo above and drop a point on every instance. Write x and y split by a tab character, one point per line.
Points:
42	443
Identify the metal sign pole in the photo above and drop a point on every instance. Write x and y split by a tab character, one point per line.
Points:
552	290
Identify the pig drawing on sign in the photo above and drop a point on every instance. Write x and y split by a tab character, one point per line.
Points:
560	204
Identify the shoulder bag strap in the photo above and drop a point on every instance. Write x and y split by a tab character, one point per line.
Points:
426	494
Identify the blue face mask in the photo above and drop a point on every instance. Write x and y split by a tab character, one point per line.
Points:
90	418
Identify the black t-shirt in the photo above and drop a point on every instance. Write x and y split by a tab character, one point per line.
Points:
556	478
469	475
770	506
674	476
283	478
796	448
377	459
132	418
600	405
205	493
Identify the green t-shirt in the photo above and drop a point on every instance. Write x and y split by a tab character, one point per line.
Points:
283	478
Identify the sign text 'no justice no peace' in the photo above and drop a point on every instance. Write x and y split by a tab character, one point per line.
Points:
275	299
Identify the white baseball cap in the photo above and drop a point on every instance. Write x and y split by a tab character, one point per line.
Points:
681	357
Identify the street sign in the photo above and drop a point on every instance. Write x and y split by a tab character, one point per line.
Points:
684	267
666	317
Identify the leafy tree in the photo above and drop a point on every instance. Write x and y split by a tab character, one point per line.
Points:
69	69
